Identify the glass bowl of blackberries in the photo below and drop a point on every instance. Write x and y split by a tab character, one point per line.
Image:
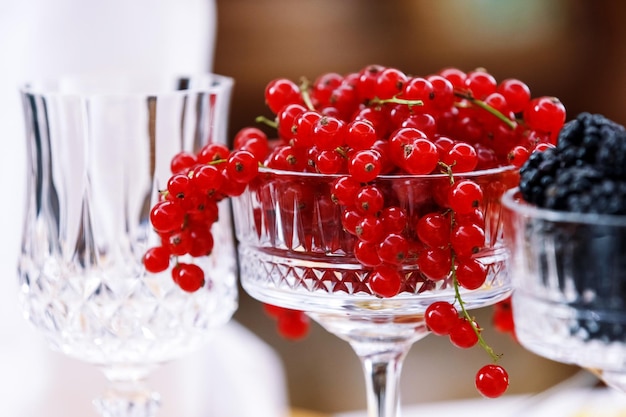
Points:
566	230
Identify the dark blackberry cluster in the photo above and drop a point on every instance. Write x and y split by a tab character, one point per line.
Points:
585	173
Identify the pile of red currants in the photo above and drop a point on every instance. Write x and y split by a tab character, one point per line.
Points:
359	126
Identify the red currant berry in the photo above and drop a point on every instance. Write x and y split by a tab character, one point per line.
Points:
351	221
420	157
178	185
435	263
545	114
293	324
385	281
201	241
178	242
370	229
344	190
207	179
394	219
518	156
470	273
328	162
286	120
166	216
463	335
242	166
516	93
441	317
369	200
467	239
304	124
465	196
433	229
324	86
367	254
455	76
273	310
328	132
281	92
461	157
212	153
365	165
492	381
393	249
389	83
189	277
503	316
480	83
443	93
156	259
360	134
182	162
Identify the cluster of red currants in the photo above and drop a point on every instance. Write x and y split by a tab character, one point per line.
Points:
188	207
359	126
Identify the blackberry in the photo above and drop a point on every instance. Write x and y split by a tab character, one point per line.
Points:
585	173
611	156
537	174
580	139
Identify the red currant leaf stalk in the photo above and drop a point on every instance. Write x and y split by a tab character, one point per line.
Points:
467	95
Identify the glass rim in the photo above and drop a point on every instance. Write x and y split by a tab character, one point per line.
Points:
194	82
387	177
512	200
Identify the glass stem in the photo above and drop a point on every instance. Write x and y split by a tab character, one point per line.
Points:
382	366
127	394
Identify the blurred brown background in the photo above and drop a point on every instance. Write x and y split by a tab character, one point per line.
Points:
572	49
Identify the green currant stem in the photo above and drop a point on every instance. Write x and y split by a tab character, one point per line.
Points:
268	122
447	169
457	292
305	88
341	151
457	295
481	104
397	100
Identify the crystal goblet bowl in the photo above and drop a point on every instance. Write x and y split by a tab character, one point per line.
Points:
569	276
98	157
295	252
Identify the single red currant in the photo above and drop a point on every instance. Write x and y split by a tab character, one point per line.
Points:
293	324
433	229
492	381
189	277
467	239
463	335
242	166
367	254
281	92
393	249
441	317
465	196
182	162
156	259
470	273
365	165
166	216
385	281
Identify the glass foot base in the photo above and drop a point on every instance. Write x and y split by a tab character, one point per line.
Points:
128	400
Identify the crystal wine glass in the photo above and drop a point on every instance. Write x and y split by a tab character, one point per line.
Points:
569	274
295	253
99	151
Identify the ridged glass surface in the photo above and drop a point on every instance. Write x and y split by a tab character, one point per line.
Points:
98	156
294	251
569	275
